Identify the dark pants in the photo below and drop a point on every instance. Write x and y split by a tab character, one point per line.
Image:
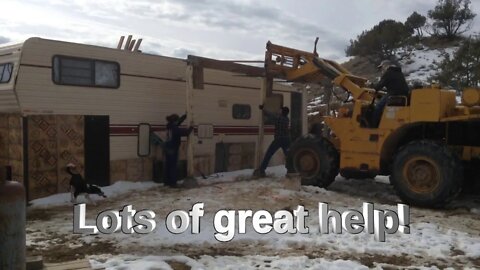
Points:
171	160
277	143
378	111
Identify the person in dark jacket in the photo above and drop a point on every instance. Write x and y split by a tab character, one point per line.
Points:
394	82
172	145
281	137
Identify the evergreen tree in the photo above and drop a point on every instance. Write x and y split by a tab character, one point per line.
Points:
463	69
381	41
416	22
451	18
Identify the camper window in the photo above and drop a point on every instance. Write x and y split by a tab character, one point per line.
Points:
85	72
5	72
241	111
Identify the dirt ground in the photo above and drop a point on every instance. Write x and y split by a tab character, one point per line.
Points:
49	230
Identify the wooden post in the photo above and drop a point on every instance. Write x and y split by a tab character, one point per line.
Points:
191	137
127	44
120	42
137	45
265	91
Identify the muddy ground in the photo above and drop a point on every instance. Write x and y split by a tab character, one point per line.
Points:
49	229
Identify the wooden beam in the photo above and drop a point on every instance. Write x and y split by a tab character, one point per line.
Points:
225	66
72	265
191	137
127	44
137	45
265	90
120	42
132	44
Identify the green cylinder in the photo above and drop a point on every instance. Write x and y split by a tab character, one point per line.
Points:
12	225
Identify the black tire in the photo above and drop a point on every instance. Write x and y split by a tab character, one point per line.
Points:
427	174
471	181
357	175
316	159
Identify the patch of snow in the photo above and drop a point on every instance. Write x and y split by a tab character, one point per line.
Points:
422	65
222	262
434	234
116	189
345	59
382	179
471	250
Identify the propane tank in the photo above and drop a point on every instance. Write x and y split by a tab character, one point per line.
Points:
12	224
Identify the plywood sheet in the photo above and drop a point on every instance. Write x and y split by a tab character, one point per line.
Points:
11	144
70	147
53	142
42	156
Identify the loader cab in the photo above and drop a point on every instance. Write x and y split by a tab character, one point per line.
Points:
394	103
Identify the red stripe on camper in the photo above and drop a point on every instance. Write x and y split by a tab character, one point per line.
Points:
132	130
123	130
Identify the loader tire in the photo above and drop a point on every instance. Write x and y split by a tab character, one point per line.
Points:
427	174
315	159
471	181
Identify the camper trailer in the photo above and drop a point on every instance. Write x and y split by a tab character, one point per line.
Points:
98	107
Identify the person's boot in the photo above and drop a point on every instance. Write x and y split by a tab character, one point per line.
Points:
259	173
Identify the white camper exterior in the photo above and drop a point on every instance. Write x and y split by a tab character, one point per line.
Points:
85	104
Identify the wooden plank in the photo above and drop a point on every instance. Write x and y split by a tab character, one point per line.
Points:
226	66
265	90
191	138
72	265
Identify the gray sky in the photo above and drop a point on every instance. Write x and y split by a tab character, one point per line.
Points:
223	29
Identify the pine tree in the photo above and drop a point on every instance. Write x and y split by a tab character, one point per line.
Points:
416	22
451	18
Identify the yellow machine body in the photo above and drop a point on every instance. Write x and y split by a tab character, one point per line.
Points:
427	113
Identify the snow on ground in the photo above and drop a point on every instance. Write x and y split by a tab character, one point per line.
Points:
116	189
422	64
223	262
440	239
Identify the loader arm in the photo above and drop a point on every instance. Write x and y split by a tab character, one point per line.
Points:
305	67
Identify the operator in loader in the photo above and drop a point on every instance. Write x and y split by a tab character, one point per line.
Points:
281	138
394	81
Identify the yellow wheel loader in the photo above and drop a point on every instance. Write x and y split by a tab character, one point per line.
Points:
425	142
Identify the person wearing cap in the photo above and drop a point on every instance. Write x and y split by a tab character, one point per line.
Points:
281	138
172	145
394	81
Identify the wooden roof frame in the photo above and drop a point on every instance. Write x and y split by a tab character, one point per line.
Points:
230	66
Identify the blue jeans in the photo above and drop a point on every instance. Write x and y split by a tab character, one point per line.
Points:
171	161
277	143
378	111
